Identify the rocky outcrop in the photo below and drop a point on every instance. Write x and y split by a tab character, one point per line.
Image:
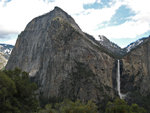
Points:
136	69
112	47
135	77
63	60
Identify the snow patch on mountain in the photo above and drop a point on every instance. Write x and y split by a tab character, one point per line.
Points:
6	50
138	42
101	38
114	48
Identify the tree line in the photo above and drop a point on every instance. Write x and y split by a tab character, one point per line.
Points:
18	95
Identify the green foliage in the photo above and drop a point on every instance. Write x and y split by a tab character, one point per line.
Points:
7	90
48	109
77	107
51	100
68	106
17	93
120	106
136	109
143	101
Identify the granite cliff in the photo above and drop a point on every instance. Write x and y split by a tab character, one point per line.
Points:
63	60
136	68
135	73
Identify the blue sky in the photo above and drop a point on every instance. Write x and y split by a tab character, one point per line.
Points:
121	21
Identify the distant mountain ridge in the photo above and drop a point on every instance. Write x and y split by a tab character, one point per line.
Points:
118	51
5	51
136	44
114	49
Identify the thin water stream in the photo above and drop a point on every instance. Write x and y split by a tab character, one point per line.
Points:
122	96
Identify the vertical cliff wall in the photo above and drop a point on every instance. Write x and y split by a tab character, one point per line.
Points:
136	69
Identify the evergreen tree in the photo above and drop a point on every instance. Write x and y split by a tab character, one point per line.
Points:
17	93
68	106
7	90
120	106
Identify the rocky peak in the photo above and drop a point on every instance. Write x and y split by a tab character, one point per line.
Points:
58	9
112	47
103	38
46	19
136	44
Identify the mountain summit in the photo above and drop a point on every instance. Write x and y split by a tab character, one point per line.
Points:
47	18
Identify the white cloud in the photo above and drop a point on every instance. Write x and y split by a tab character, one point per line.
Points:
138	5
98	1
11	41
88	1
15	15
137	25
89	20
141	8
129	29
70	6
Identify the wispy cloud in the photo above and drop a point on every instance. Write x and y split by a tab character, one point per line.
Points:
136	25
93	16
15	14
129	29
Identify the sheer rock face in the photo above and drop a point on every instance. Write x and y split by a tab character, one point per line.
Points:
136	70
62	59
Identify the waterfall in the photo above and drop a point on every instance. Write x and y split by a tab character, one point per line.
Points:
122	96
